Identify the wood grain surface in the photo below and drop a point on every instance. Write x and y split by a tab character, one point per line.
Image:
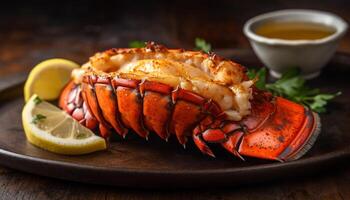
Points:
33	31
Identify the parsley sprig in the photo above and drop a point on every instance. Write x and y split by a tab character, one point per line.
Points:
137	44
202	45
37	118
37	100
292	86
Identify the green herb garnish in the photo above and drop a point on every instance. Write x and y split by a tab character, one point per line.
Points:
260	75
37	100
37	118
137	44
81	136
202	45
292	86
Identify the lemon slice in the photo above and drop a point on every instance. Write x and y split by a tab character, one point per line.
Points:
50	128
48	78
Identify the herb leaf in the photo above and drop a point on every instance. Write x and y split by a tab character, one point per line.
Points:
37	100
202	45
137	44
37	118
320	101
292	86
81	136
260	75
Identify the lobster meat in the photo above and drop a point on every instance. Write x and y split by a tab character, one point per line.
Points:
187	94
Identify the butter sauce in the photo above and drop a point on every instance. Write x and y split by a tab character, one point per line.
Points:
294	30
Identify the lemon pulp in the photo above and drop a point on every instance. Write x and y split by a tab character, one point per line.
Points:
50	128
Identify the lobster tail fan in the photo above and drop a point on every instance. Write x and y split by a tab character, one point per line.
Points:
316	130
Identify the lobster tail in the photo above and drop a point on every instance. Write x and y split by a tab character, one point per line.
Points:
285	135
73	102
285	132
189	95
277	129
156	117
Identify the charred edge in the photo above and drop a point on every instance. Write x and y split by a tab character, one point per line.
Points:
314	120
288	152
140	101
171	107
200	137
240	140
236	130
206	150
119	121
205	112
143	91
103	120
132	84
283	155
229	134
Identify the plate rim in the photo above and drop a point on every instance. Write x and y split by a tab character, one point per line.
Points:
340	154
7	155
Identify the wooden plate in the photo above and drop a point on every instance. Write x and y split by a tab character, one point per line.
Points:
137	163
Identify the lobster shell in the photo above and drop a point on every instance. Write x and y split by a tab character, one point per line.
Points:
275	129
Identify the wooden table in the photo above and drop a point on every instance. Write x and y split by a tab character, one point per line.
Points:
36	31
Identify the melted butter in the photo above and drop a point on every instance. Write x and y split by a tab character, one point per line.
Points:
294	30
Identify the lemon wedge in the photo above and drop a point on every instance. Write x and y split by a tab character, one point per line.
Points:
50	128
48	78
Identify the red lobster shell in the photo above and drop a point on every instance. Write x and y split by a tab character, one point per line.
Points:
136	99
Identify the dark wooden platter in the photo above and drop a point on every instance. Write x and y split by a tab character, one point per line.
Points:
154	163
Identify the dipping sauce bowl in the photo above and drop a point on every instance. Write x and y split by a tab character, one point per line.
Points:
310	55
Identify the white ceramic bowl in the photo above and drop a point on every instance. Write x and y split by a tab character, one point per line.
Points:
309	55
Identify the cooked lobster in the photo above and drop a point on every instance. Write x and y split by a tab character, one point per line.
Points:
187	93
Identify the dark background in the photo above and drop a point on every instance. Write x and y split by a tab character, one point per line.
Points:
77	29
175	23
31	31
